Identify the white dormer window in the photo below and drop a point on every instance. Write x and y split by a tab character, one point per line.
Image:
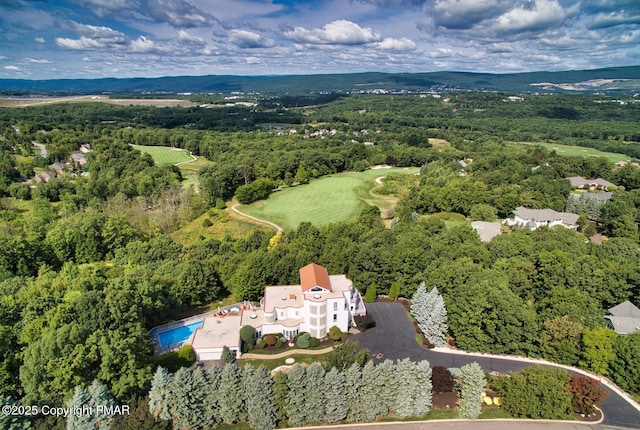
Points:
316	289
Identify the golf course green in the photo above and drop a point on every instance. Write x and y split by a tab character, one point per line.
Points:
325	200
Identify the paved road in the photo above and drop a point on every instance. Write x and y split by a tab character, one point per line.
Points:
394	338
43	149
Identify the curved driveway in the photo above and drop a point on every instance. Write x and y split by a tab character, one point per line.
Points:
394	338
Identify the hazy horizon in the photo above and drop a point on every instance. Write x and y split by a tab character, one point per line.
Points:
90	39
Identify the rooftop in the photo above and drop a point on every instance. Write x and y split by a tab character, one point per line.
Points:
313	275
217	332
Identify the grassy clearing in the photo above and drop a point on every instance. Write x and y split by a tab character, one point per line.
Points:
223	224
579	151
164	155
326	200
190	171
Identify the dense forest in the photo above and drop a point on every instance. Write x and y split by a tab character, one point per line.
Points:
87	265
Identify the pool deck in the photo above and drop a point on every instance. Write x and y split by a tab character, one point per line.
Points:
225	313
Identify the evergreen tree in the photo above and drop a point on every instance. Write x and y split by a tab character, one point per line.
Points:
212	396
429	310
281	389
353	377
231	395
296	403
314	393
77	420
403	401
160	394
100	396
471	382
200	398
226	356
423	396
84	403
371	294
387	385
336	404
259	389
183	410
370	393
394	291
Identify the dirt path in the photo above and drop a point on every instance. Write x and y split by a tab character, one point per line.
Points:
288	353
235	209
193	158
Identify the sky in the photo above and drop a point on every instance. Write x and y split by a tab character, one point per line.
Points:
49	39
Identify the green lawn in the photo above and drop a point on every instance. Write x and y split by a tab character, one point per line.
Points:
578	151
325	200
164	155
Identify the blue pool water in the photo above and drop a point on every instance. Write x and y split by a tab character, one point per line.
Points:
178	334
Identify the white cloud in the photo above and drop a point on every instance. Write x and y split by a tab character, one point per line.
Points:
101	33
37	61
183	36
12	68
39	39
542	15
2	57
340	32
82	44
249	39
399	45
142	45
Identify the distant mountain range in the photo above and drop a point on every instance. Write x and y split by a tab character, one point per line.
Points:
614	79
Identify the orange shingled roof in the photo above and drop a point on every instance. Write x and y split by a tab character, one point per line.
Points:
313	275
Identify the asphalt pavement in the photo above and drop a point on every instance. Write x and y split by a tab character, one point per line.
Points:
394	338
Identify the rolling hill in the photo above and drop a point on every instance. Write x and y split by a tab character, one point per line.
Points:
616	79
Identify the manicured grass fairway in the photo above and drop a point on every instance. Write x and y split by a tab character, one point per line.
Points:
163	155
579	151
325	200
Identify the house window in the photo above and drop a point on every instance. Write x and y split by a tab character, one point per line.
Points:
335	317
335	306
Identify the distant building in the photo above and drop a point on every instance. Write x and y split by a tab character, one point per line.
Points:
592	184
534	218
487	230
624	318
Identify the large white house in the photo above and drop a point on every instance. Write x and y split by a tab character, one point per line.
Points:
534	218
320	302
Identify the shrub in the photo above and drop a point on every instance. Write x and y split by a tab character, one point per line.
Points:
262	344
535	392
270	339
206	222
279	342
313	342
302	341
364	322
335	333
187	354
586	394
220	203
441	380
248	336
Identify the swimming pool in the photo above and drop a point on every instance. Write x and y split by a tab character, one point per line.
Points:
178	334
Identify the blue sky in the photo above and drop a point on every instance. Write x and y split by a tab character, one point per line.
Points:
46	39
